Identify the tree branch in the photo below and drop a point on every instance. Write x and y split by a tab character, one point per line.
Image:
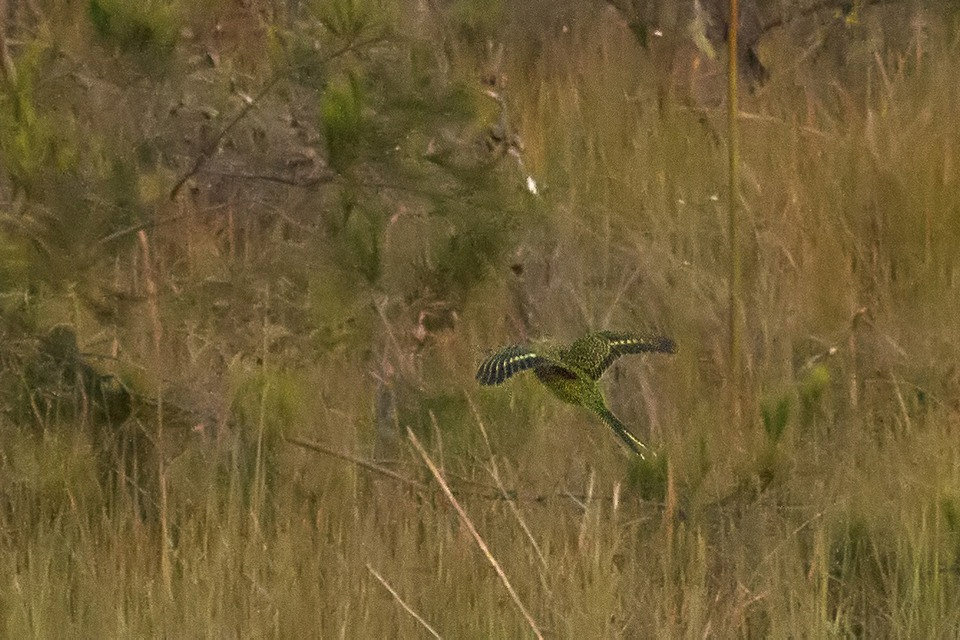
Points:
211	148
8	69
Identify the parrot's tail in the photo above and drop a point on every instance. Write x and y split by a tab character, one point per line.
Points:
628	438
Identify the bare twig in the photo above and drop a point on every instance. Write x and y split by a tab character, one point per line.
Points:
406	607
212	147
757	570
811	10
150	283
302	183
495	473
306	183
360	462
473	532
904	412
248	106
380	305
749	116
584	522
7	68
487	492
733	219
116	235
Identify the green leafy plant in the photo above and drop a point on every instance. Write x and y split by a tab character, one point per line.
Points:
345	19
341	112
147	28
775	414
811	389
33	140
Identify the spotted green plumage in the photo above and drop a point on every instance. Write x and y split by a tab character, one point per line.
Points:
571	373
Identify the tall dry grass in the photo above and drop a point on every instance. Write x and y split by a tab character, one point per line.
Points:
844	520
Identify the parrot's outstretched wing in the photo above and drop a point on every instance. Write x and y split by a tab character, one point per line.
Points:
597	351
510	361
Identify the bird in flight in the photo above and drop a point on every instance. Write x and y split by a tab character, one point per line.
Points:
571	373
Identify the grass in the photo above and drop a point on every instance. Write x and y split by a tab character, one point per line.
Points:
842	522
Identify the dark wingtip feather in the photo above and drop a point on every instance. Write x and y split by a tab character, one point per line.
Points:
493	371
666	345
502	365
485	373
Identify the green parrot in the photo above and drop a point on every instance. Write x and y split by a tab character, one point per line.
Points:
571	373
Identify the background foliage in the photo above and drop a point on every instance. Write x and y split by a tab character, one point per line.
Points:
229	227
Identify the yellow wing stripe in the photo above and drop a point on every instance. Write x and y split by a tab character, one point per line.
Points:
617	344
502	365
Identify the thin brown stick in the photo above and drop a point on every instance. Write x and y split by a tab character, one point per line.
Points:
211	148
7	68
817	7
140	227
207	153
499	493
733	217
495	474
585	522
406	607
319	447
473	532
304	183
150	283
668	546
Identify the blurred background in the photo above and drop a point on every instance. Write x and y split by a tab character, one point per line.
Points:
245	245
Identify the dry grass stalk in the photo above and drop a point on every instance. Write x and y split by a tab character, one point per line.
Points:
150	284
318	447
473	532
495	473
406	607
733	221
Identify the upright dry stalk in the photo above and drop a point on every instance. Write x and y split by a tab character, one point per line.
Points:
259	478
733	203
153	306
7	69
669	518
406	607
511	502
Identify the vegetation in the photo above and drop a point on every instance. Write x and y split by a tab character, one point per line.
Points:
251	255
